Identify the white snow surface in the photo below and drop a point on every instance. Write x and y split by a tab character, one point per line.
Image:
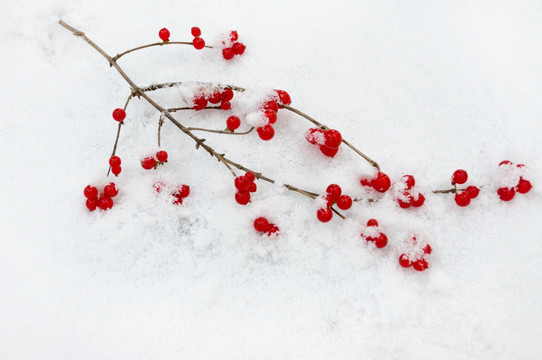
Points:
424	88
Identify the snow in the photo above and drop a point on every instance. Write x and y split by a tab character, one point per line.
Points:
423	88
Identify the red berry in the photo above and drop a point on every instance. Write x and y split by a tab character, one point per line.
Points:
420	264
344	202
272	229
225	105
381	241
234	36
233	122
105	202
506	194
462	198
250	176
242	197
116	170
198	43
114	161
333	138
238	48
524	186
195	31
200	103
164	34
324	214
473	191
284	97
365	182
148	163
111	190
161	156
252	187
330	200
404	204
119	114
327	151
334	190
227	94
266	132
505	162
419	200
427	249
177	200
270	105
459	177
271	116
242	183
381	183
313	137
372	222
182	191
261	224
409	181
404	261
215	97
91	192
228	53
92	204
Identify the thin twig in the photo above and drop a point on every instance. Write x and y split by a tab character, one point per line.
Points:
191	108
118	130
221	131
154	44
177	83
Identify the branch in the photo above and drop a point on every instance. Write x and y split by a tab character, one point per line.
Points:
154	44
118	130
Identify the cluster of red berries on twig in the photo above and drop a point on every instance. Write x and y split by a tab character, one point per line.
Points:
151	162
406	195
415	255
463	197
103	199
333	196
231	46
328	141
372	234
381	182
181	192
266	115
245	185
114	162
262	225
215	95
514	180
198	41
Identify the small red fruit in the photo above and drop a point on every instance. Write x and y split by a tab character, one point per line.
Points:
313	135
250	176
164	34
242	183
419	200
405	202
524	186
381	241
177	200
198	43
420	264
242	197
253	187
381	183
92	204
227	94
272	229
270	105
372	222
284	97
234	36
335	191
506	194
459	177
182	191
409	181
324	214
105	202
462	198
199	103
228	53
344	202
333	138
327	151
427	249
266	132
161	156
148	163
119	114
238	48
215	97
195	31
116	170
473	191
111	190
114	161
404	261
225	105
261	224
91	192
271	116
233	122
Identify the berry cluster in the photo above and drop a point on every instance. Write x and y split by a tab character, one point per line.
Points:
513	174
231	46
463	197
266	114
214	96
103	199
416	254
164	34
198	42
328	141
407	196
373	234
245	185
262	225
333	196
381	182
179	194
151	162
114	162
119	115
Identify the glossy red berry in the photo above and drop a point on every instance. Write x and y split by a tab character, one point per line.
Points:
183	191
409	181
105	202
92	204
333	138
462	198
272	229
91	192
164	34
506	194
195	31
227	94
315	136
238	48
261	224
114	161
111	190
225	105
253	187
161	156
524	186
381	183
242	197
459	177
119	114
250	176
116	170
234	35
215	97
177	200
324	214
381	241
228	53
233	123
327	151
266	132
420	264
198	43
404	261
271	116
242	183
270	105
404	203
148	163
334	191
344	202
473	191
284	97
200	103
427	249
418	201
372	222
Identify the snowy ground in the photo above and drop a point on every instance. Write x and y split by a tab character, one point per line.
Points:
422	88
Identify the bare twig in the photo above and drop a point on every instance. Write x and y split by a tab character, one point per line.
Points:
118	130
221	131
154	44
191	108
